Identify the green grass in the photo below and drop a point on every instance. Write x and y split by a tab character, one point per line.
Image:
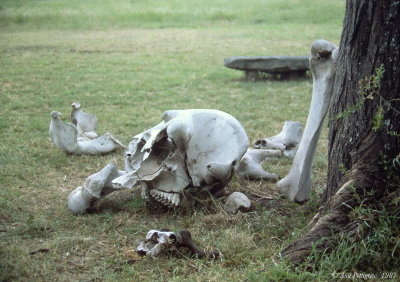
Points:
106	14
128	61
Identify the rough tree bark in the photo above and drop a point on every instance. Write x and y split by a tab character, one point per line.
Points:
364	123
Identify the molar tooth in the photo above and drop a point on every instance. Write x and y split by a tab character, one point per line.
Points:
176	199
165	196
168	199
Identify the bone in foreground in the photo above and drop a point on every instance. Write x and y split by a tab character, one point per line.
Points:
287	140
250	164
85	123
297	184
64	136
159	240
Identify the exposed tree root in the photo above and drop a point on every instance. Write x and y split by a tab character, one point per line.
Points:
324	226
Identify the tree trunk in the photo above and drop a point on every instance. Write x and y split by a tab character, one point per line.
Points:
364	128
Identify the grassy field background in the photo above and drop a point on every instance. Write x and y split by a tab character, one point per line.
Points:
127	62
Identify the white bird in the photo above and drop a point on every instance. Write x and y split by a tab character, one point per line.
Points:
85	123
64	135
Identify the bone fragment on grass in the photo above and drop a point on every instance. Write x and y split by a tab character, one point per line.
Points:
96	185
287	140
250	166
235	202
85	123
65	137
159	241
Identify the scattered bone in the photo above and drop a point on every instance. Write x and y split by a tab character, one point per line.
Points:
157	241
237	201
80	200
63	134
85	123
198	148
297	184
65	137
250	164
101	145
287	140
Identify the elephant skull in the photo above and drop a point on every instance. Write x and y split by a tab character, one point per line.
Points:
196	148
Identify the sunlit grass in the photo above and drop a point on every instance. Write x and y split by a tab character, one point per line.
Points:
105	14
